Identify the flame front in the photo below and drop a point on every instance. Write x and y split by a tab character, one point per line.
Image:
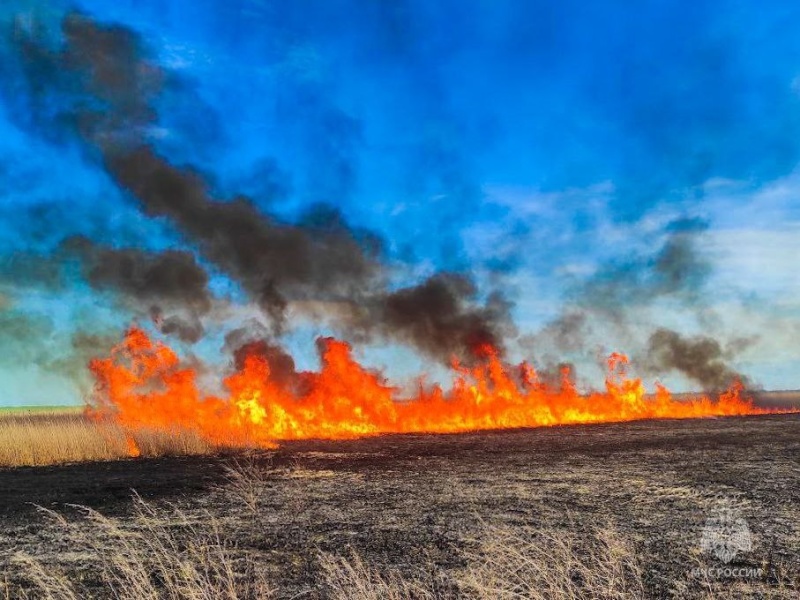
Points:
143	385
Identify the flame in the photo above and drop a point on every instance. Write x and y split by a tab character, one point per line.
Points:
133	447
142	384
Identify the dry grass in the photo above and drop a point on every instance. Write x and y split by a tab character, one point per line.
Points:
165	554
539	564
46	439
156	555
9	411
179	442
512	563
245	479
352	579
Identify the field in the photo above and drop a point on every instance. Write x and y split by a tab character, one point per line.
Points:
38	410
608	511
53	435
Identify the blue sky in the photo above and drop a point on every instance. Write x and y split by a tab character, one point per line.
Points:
534	145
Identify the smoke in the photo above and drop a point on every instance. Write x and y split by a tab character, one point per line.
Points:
622	300
154	281
678	270
700	358
441	317
172	276
25	337
96	83
253	339
568	333
273	260
100	85
30	338
114	86
118	87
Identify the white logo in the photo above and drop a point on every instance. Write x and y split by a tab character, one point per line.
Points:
726	534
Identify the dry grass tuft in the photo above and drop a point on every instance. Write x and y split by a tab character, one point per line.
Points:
44	440
52	438
179	442
352	579
511	563
245	480
154	556
551	563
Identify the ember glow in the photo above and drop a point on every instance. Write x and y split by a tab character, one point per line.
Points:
143	385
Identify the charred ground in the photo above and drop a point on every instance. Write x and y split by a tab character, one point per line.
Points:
416	501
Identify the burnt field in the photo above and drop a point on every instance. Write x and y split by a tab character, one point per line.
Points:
437	516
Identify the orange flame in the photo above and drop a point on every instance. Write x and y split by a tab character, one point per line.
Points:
133	447
142	384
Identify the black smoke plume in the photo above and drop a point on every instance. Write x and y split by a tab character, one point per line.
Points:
700	358
274	261
111	85
253	339
441	317
171	276
162	282
620	292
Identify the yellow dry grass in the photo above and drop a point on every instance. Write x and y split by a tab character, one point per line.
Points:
167	555
45	439
157	555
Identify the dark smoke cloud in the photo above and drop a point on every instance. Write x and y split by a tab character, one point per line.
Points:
187	327
109	69
170	287
441	317
569	332
253	339
172	276
112	86
678	270
82	347
160	281
24	337
275	261
700	358
101	70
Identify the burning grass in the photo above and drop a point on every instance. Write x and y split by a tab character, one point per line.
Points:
148	403
37	439
144	384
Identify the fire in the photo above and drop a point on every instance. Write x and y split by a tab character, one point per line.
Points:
133	447
143	385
